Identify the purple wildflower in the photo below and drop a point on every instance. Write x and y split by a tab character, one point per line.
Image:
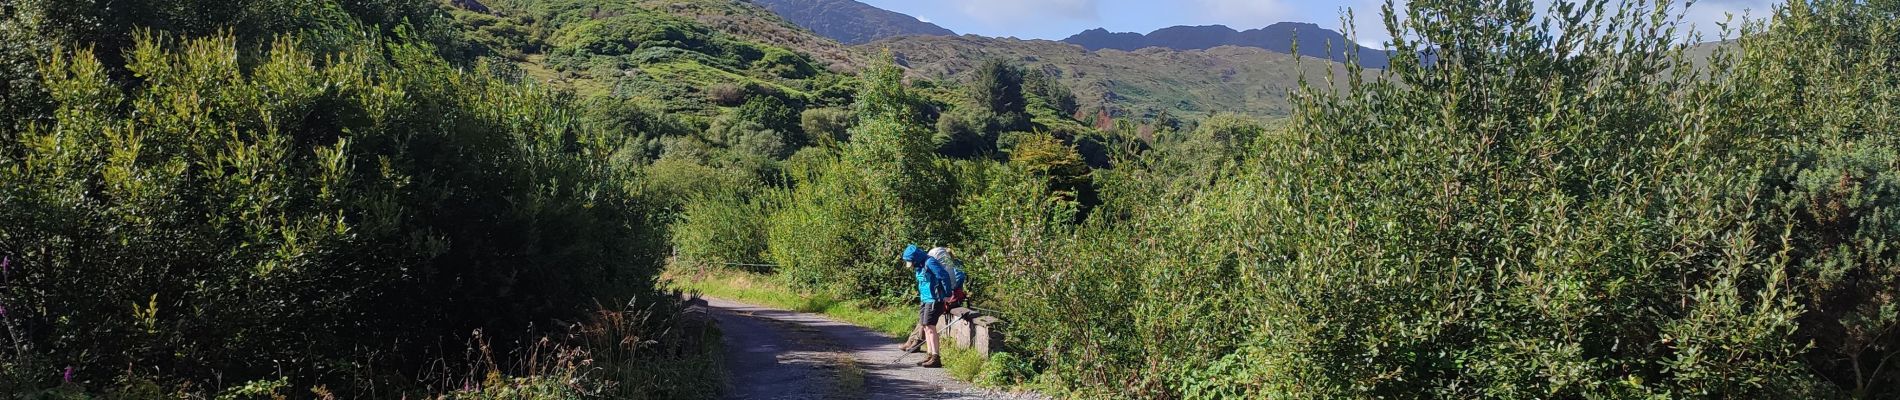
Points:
68	376
3	311
6	267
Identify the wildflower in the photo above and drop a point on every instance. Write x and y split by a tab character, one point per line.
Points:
6	267
68	376
3	311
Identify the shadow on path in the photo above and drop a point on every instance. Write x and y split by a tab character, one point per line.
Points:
759	340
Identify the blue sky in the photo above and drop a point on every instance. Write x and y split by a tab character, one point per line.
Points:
1057	19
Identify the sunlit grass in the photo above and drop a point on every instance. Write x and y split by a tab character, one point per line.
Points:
766	290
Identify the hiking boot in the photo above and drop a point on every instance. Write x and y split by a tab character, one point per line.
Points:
931	362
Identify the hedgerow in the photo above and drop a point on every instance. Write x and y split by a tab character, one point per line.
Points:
1561	206
330	219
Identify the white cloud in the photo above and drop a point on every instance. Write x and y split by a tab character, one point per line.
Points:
1245	14
1014	12
1368	21
923	19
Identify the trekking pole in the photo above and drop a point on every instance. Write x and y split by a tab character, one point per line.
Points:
940	333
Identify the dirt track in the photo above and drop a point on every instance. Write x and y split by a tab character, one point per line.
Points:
778	354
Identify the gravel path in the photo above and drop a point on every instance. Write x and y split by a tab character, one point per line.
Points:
778	354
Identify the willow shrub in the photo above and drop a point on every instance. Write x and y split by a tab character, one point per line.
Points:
721	229
1525	205
338	218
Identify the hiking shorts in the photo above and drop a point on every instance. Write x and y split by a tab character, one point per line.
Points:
929	313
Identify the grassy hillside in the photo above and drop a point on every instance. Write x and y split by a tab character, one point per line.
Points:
755	23
675	55
1188	83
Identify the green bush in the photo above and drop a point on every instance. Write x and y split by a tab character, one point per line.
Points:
848	215
1572	211
785	64
773	113
221	221
827	127
720	229
1003	369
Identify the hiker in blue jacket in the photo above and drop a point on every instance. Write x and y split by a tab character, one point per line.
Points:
933	287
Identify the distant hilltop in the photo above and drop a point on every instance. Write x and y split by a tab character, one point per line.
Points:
851	22
1313	41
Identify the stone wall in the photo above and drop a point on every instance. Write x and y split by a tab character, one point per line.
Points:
970	329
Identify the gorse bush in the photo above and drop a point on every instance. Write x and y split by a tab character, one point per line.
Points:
216	220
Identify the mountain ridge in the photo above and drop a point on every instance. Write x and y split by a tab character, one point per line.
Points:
1223	79
1313	41
851	22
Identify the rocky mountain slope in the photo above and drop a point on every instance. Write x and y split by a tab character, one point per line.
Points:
1187	83
1313	41
851	22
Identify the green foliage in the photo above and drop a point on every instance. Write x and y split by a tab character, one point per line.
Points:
997	86
492	35
1047	89
1044	156
784	64
994	104
642	125
688	60
32	29
636	29
1004	369
722	228
1209	151
221	220
847	215
966	133
1571	212
772	113
677	180
884	95
827	127
750	140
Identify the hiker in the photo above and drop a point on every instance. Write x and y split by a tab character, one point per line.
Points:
932	289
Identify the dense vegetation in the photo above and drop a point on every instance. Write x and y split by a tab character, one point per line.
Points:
317	210
1530	202
376	199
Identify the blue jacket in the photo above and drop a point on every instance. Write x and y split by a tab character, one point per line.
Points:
932	285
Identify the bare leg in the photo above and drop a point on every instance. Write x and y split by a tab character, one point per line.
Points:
930	340
916	340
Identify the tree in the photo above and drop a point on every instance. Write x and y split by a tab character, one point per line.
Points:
1046	85
997	85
